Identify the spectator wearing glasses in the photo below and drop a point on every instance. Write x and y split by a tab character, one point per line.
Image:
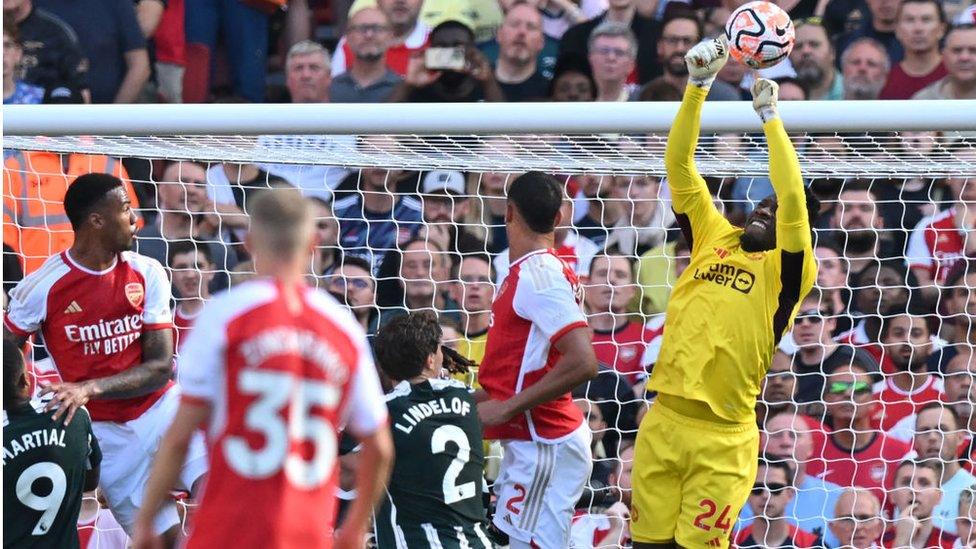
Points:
368	79
612	53
770	495
915	496
576	40
353	284
853	453
907	345
857	522
473	289
817	351
920	27
959	57
938	433
813	59
408	36
790	436
680	32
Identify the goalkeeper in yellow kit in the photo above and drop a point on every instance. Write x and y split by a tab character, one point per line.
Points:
695	461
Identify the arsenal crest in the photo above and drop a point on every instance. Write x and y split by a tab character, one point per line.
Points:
134	292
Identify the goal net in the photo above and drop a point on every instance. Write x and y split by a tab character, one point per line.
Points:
876	370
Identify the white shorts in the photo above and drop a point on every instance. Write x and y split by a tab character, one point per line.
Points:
128	450
538	486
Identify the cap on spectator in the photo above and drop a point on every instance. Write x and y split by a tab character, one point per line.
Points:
358	5
62	96
443	180
438	12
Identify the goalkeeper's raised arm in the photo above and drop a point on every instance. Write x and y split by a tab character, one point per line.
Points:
691	201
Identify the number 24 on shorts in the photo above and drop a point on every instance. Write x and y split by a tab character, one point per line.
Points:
723	522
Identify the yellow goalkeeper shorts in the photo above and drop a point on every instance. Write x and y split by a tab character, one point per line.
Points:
691	478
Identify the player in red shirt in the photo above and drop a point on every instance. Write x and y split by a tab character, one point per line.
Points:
618	341
192	268
539	348
280	369
915	495
853	453
104	314
908	344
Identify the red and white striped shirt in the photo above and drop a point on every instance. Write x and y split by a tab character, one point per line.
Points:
538	303
280	383
92	321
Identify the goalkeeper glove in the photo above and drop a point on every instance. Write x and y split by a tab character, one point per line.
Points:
764	94
705	60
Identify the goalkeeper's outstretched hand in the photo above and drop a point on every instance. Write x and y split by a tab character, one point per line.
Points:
764	95
706	59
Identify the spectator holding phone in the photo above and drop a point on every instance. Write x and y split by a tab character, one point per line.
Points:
451	69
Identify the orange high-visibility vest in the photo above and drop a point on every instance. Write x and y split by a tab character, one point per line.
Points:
34	184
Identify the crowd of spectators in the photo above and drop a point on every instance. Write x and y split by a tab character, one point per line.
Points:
867	411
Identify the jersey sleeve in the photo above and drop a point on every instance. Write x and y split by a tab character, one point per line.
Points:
792	221
200	366
156	314
692	203
545	297
366	409
27	308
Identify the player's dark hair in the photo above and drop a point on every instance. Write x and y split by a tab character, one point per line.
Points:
86	194
451	24
537	197
355	261
180	247
859	185
957	273
888	320
13	369
403	345
571	63
776	462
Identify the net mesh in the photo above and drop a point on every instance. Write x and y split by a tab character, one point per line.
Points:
894	234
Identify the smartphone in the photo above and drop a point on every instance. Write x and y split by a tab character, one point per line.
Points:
450	59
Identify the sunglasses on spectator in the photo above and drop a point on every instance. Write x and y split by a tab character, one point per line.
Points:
774	488
841	387
814	316
355	283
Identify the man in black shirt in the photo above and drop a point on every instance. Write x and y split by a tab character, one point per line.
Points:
52	55
520	40
435	494
474	82
47	464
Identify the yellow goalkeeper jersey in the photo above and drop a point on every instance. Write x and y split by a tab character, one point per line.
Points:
730	307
